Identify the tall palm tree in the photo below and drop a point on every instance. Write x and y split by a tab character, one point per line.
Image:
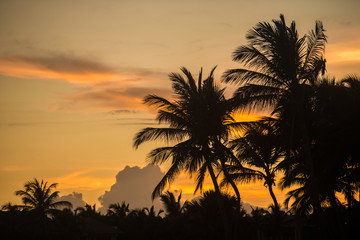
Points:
200	118
259	149
40	198
279	69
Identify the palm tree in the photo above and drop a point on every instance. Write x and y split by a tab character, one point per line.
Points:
259	149
118	210
40	198
172	205
9	207
145	212
207	204
336	135
199	119
151	212
87	211
280	68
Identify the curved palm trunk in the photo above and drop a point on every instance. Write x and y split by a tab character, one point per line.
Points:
228	178
276	204
220	204
269	182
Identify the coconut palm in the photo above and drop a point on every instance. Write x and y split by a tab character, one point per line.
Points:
118	210
199	117
279	70
172	205
259	149
151	212
40	198
9	207
87	211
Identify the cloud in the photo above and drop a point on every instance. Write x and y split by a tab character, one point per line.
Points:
11	169
70	68
122	111
133	185
75	198
128	99
102	86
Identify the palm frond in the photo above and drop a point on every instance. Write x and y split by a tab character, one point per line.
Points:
164	134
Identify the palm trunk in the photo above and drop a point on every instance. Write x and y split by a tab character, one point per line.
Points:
276	204
220	204
314	183
313	179
228	178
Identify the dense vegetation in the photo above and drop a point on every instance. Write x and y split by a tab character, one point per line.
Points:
309	135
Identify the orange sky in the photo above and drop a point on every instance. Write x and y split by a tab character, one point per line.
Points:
73	73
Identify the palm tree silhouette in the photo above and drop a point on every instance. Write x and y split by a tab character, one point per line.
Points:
146	212
9	207
151	212
281	68
259	148
118	210
172	205
87	211
40	198
200	119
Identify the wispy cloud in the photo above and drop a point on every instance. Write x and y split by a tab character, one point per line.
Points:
122	111
69	68
129	99
102	86
11	168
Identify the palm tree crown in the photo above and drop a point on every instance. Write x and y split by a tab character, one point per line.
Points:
259	148
280	70
40	197
172	205
199	116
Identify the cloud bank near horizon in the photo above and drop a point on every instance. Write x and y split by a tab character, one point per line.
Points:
75	198
133	185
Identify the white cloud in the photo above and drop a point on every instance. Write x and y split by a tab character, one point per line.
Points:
133	185
75	199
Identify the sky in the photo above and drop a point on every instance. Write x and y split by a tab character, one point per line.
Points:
73	75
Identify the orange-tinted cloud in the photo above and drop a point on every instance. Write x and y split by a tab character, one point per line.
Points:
115	98
105	87
11	168
68	68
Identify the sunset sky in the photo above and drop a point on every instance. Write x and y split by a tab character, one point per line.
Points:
73	74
